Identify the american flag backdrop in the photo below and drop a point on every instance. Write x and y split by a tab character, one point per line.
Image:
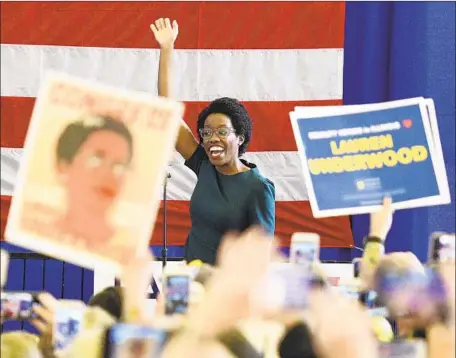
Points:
272	56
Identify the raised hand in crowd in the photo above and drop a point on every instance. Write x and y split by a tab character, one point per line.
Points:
44	323
374	249
381	220
243	264
340	327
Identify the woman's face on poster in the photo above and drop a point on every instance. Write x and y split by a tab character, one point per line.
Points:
96	174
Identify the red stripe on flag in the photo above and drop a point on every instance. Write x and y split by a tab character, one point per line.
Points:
203	25
291	216
271	132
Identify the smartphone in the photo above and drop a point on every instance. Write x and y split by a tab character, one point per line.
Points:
289	286
68	319
18	305
441	248
304	248
4	261
176	289
133	341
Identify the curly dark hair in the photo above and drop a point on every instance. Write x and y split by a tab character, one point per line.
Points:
236	111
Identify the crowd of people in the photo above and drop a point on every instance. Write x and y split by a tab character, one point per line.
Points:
234	312
234	309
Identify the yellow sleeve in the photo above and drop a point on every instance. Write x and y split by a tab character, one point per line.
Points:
96	317
382	329
373	252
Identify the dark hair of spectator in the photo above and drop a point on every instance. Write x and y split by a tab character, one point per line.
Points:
110	300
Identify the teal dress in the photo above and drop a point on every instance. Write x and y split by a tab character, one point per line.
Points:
225	203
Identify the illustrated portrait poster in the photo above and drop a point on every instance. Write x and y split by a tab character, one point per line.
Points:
89	183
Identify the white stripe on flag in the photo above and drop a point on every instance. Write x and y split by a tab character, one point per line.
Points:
201	75
283	168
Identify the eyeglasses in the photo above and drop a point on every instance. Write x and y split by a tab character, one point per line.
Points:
223	132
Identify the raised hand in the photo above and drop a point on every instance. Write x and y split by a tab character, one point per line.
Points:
381	220
327	317
243	263
165	33
44	322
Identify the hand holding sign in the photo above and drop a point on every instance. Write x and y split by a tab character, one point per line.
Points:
381	220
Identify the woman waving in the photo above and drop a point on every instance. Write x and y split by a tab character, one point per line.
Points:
230	193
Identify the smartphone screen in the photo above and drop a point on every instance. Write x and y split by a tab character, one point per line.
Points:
290	283
177	291
133	341
305	251
17	305
442	248
67	323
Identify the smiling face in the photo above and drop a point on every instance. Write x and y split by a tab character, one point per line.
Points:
220	140
95	175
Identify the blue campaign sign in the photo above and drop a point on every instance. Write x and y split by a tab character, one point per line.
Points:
351	161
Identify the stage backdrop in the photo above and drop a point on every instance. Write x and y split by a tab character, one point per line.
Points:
270	55
396	50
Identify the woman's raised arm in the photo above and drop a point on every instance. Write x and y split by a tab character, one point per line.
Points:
166	33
